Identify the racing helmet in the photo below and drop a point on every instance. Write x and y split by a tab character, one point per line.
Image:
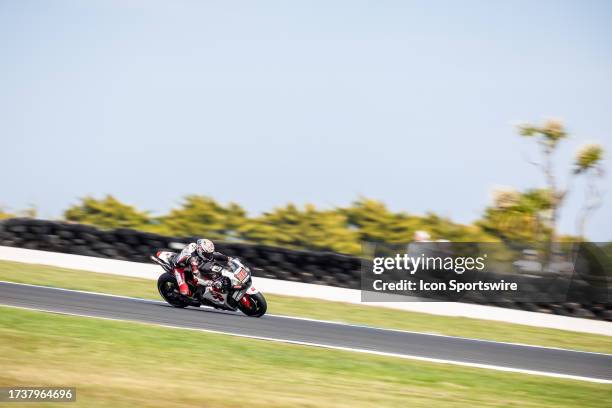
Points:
205	247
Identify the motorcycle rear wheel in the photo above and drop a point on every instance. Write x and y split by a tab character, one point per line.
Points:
257	305
168	289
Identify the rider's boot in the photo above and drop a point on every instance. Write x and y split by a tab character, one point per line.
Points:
179	273
198	293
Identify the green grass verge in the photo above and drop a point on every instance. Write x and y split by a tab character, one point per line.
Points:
319	309
116	364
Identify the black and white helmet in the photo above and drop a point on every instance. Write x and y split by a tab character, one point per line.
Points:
205	247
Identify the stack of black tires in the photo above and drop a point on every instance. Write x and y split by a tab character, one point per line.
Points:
130	245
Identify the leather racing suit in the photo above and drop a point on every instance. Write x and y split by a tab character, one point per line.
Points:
189	258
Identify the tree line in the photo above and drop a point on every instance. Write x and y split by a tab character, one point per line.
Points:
512	216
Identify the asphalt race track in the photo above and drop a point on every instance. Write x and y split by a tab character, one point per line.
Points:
594	366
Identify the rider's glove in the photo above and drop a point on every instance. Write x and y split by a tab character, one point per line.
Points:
215	284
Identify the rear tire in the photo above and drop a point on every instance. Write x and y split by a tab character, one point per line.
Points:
258	305
168	289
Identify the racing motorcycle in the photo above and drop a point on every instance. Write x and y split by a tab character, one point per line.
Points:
233	290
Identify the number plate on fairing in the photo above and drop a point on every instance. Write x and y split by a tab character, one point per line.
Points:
241	275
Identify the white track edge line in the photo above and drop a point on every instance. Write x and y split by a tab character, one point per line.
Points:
341	348
328	321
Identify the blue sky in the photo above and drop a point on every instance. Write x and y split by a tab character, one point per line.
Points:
264	103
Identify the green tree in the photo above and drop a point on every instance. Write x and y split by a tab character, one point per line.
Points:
518	217
548	136
107	212
309	229
587	162
203	216
5	215
27	213
374	222
445	229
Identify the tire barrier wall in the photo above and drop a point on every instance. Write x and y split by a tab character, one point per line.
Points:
323	268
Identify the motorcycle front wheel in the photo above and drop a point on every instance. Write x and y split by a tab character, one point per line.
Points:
168	289
253	305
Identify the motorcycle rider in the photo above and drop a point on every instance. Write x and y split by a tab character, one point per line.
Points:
200	256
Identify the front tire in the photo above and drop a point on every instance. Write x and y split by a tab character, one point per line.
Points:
255	307
168	289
